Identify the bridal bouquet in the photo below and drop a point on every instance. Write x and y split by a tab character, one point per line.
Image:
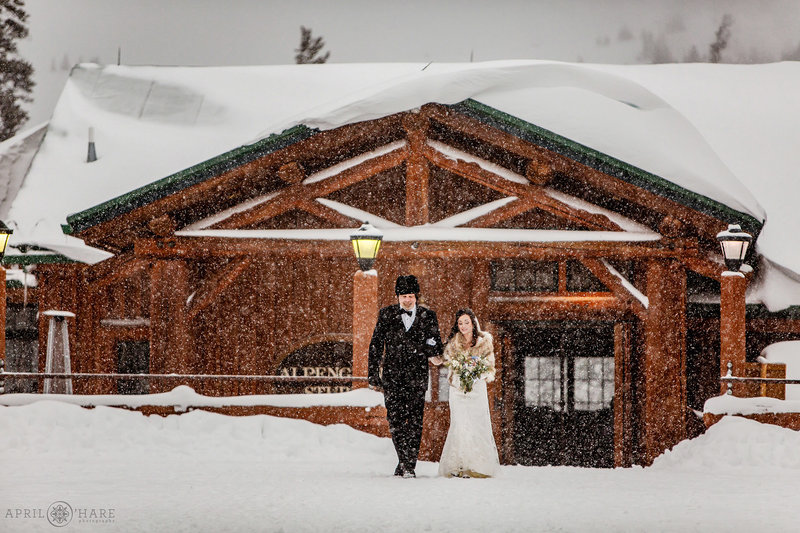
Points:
468	367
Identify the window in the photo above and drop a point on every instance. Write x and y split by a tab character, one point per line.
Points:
548	382
520	275
22	346
543	382
133	357
594	383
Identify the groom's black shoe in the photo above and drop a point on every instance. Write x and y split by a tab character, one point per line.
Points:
409	473
399	470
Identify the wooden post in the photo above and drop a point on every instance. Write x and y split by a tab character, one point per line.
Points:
663	367
417	170
365	316
623	404
170	335
732	310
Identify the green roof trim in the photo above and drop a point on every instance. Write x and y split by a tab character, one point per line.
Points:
606	164
184	179
36	259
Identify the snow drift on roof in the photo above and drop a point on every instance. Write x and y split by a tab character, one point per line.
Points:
689	124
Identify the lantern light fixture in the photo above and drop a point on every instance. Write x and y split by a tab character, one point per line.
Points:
735	244
5	233
366	243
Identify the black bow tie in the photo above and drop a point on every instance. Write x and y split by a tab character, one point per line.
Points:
409	313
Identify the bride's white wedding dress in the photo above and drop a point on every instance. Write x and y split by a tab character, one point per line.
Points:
470	449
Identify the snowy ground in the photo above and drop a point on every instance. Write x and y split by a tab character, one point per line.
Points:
121	471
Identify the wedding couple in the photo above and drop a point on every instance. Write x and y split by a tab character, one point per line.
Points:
406	337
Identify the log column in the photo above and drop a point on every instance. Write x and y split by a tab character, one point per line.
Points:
663	365
732	310
170	334
365	316
417	170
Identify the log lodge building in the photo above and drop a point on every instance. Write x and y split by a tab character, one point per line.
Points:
592	274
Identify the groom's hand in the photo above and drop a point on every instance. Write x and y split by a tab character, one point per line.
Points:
436	361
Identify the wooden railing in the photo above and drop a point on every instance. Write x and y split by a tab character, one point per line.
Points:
185	378
729	379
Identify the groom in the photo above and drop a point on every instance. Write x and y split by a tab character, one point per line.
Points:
405	337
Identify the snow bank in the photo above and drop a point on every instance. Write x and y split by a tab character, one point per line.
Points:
736	443
208	472
183	396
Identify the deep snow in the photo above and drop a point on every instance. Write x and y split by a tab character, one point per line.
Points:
207	472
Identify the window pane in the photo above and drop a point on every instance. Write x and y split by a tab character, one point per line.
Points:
593	383
543	382
516	275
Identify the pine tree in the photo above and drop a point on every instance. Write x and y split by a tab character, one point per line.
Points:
309	48
721	42
15	73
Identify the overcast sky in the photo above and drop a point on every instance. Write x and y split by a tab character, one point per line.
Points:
244	32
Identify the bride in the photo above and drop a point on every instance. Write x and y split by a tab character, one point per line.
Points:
469	450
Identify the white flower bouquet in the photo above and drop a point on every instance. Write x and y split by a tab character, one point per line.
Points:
468	367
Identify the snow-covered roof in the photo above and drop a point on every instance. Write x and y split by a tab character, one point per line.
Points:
726	132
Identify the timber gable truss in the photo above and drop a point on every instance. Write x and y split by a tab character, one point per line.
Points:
439	166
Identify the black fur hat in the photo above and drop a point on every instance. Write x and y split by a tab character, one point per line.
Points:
406	285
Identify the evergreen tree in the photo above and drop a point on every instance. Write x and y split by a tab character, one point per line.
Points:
693	56
721	41
309	48
15	73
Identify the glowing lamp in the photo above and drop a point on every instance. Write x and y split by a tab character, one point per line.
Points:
734	243
366	243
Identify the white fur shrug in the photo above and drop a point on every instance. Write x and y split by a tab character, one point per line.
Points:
484	347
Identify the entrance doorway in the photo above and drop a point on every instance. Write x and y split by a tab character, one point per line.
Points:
564	390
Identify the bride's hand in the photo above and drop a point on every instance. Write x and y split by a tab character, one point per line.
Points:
436	360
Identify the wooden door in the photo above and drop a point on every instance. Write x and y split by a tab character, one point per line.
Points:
564	390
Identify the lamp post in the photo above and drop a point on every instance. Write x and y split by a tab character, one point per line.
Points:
735	244
366	243
5	233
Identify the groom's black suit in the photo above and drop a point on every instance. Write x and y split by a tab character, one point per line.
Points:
403	356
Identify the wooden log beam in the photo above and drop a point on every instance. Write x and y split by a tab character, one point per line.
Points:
300	196
473	172
555	307
537	197
707	225
114	269
501	214
219	247
291	173
417	170
326	213
240	181
616	286
214	287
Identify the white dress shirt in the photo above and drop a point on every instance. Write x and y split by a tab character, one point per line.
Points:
408	319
